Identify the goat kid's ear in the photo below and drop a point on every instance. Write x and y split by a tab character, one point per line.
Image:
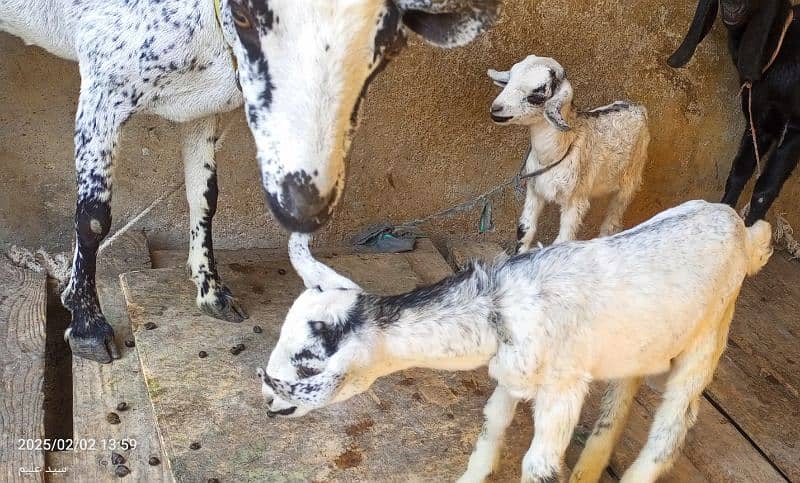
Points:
449	23
315	275
554	107
761	37
314	391
500	78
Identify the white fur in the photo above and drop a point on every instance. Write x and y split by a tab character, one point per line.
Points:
656	298
604	151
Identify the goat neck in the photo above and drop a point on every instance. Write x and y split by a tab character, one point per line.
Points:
549	143
450	325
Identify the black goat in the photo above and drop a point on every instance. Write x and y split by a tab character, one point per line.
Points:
764	41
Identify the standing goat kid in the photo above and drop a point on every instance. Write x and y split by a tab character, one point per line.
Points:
303	67
581	155
654	299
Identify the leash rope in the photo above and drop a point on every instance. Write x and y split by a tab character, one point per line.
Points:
749	87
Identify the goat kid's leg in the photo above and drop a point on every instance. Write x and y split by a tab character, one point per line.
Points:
571	218
616	210
499	412
556	412
777	170
96	131
213	297
616	404
529	219
692	372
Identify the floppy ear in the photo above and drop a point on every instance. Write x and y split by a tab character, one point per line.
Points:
314	273
449	23
314	391
499	78
701	24
553	108
761	36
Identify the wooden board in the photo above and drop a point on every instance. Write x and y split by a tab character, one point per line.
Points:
99	388
714	451
22	365
461	252
412	426
758	379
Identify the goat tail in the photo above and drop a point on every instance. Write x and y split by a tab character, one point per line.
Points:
758	246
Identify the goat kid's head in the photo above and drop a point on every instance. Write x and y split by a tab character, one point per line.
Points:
534	87
757	24
304	66
323	354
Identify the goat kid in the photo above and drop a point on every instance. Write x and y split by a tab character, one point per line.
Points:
581	155
764	43
651	300
303	67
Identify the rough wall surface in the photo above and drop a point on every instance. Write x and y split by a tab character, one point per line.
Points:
425	142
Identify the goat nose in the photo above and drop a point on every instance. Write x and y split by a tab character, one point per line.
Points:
496	108
299	206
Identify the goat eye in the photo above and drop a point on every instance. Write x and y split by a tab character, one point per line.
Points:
305	371
241	18
535	99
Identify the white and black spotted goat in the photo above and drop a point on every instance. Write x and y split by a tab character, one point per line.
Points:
579	155
303	66
655	299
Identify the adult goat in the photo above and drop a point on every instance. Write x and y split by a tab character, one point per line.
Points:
302	67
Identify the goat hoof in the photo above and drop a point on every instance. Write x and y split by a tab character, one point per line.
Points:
94	341
221	304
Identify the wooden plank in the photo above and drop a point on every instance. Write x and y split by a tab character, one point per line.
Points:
433	418
22	363
461	252
99	388
757	383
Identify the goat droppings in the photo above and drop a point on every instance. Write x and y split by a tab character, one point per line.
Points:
213	480
150	326
130	343
122	471
195	446
153	461
281	271
257	329
116	458
123	406
202	354
113	418
236	350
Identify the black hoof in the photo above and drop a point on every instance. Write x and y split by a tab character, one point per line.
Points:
221	304
94	342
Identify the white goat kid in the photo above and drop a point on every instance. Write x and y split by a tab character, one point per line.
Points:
582	154
304	65
654	299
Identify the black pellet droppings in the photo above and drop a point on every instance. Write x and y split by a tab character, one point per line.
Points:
123	406
122	471
130	343
202	354
281	271
150	326
257	329
113	418
154	461
236	350
116	458
195	445
213	480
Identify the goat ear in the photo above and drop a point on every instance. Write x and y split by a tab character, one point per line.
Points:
701	24
554	107
499	78
761	36
315	391
449	23
314	273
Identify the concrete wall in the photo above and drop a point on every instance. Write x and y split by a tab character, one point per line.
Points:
425	142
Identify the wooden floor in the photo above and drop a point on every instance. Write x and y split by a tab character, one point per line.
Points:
203	418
